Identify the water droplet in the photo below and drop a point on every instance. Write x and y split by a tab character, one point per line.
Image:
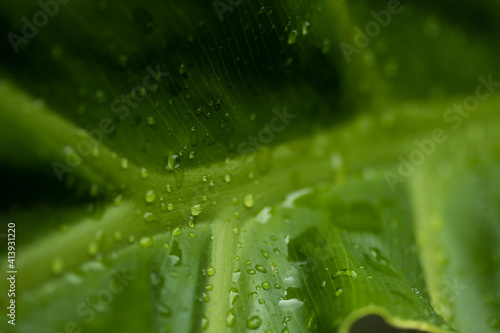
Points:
151	121
248	201
124	163
378	255
176	232
339	291
345	272
289	305
251	271
144	173
196	210
260	268
227	178
266	285
191	234
170	207
254	322
92	248
169	188
292	37
210	271
150	196
264	253
117	201
306	26
230	318
182	69
117	235
146	241
204	322
57	266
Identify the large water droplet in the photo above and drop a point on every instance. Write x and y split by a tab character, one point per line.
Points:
254	322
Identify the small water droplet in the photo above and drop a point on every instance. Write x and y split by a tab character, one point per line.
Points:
176	232
195	210
260	268
150	196
248	201
124	164
57	266
117	201
292	37
264	253
266	285
182	69
146	241
339	291
227	178
92	248
306	26
210	271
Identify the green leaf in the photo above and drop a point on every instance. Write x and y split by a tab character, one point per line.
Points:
177	167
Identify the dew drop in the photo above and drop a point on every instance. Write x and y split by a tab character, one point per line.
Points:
254	322
210	271
124	164
292	37
146	241
306	26
57	266
182	69
176	232
266	285
230	318
195	210
264	253
117	200
150	196
248	201
92	248
260	268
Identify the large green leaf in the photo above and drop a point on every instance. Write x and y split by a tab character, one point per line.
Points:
255	181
